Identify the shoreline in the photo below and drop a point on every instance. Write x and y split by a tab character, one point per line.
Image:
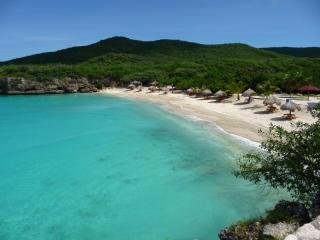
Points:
241	121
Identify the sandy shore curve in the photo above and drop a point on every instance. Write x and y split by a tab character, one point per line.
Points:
234	117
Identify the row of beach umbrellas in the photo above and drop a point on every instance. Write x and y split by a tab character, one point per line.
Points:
270	101
207	92
249	92
138	83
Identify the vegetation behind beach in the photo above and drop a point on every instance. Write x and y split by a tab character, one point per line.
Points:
184	64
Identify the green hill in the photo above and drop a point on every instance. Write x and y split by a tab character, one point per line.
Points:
119	60
171	48
311	52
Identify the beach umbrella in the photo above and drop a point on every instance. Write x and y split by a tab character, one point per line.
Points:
220	94
154	83
131	86
278	90
248	93
290	106
206	92
136	83
139	88
308	89
272	100
190	91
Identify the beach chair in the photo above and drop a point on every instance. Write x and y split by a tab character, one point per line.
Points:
271	109
289	116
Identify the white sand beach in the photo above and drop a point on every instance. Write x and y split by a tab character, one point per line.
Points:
234	117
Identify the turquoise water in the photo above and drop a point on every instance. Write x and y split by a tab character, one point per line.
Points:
96	167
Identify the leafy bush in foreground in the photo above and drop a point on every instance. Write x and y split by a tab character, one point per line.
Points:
289	160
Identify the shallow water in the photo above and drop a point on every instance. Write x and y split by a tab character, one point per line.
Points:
97	167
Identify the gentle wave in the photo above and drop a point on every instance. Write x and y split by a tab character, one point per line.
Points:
242	139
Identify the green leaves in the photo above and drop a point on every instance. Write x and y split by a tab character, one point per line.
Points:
266	88
228	67
288	159
236	87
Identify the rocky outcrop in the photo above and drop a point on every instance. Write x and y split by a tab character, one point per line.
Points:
279	230
284	219
293	210
252	230
15	86
309	231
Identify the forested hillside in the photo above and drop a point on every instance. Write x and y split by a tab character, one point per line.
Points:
311	52
120	60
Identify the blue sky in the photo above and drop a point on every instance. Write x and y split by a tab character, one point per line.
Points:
33	26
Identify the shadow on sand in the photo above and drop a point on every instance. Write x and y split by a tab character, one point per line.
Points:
241	103
278	119
252	107
262	112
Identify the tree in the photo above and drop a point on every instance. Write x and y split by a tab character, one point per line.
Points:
236	87
293	81
266	88
289	160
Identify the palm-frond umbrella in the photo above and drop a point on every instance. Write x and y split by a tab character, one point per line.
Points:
220	95
270	101
139	89
248	93
171	88
190	91
206	93
290	106
136	83
131	86
154	83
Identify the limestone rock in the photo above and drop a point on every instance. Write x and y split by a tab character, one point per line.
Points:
279	230
309	231
291	237
316	223
239	232
16	86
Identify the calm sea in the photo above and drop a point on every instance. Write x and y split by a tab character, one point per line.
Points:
94	167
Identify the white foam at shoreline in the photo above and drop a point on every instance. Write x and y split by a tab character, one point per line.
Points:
198	119
195	118
243	139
